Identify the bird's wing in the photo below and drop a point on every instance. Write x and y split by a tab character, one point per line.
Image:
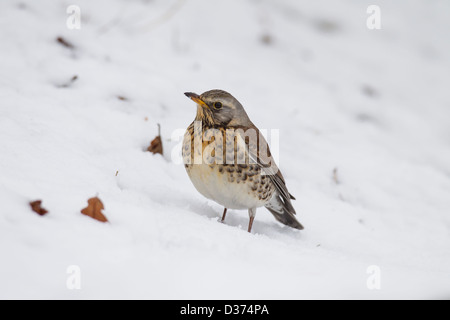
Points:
259	153
280	205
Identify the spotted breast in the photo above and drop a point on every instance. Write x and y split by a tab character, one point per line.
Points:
219	166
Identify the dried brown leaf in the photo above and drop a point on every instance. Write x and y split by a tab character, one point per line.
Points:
94	209
36	207
156	144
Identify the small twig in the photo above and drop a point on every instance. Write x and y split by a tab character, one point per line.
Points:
165	16
149	26
65	43
69	83
335	176
108	26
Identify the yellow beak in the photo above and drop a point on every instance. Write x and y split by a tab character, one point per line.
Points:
196	98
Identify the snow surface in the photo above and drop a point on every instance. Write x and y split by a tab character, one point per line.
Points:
374	104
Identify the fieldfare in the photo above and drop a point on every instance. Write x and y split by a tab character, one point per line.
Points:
229	161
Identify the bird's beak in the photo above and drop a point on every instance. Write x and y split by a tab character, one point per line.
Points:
196	98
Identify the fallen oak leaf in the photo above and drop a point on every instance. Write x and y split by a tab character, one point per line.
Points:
36	207
156	144
94	209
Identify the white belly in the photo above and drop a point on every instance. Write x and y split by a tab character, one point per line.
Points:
217	187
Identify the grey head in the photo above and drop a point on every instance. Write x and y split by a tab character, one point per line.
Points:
219	108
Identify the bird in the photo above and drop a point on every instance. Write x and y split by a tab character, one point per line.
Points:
228	160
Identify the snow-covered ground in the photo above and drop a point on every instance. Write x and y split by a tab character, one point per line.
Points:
364	125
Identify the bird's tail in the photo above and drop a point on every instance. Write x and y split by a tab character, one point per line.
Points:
283	211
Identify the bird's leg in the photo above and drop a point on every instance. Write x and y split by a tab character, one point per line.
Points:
224	214
251	214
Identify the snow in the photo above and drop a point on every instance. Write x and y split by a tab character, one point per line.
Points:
372	104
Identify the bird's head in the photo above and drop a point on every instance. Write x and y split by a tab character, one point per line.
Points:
219	108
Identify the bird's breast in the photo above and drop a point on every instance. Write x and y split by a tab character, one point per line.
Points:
218	166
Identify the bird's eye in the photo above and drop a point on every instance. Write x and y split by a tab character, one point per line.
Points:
217	105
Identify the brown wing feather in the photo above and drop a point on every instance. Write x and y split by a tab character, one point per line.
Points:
260	154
